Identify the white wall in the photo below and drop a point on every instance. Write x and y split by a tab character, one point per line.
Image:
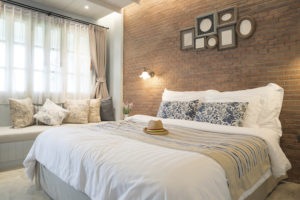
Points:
115	59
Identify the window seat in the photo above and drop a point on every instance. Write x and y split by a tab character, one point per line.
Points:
15	143
9	134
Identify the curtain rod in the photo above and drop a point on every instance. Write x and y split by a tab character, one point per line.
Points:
50	13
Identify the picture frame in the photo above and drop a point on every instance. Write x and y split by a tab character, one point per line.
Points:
187	38
227	16
227	37
206	24
245	27
212	41
200	43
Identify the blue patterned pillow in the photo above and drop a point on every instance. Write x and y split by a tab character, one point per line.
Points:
185	110
230	114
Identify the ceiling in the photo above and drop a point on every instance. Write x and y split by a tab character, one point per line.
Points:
96	8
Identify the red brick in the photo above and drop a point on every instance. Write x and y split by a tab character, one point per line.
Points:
272	54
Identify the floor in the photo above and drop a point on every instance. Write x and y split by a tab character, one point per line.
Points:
15	186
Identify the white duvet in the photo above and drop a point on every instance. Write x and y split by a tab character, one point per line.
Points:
114	167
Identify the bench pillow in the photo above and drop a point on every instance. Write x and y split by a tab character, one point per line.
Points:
21	112
51	114
107	110
79	111
94	113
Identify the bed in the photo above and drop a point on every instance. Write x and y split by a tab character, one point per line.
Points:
196	160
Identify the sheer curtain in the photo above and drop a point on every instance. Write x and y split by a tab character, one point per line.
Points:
42	57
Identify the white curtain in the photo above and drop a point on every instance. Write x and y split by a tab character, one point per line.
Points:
42	57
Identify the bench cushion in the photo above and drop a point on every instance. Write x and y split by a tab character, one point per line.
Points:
9	134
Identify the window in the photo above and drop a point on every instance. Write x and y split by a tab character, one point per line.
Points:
3	69
42	57
55	61
72	71
84	61
19	61
78	52
38	59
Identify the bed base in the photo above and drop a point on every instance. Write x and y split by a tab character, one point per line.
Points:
54	187
57	189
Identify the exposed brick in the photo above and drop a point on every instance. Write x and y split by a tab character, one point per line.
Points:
272	54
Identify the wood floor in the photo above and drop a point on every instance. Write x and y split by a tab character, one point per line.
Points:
14	185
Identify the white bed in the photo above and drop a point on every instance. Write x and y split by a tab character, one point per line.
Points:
103	165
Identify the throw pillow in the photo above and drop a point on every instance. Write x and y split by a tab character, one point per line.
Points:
107	110
51	114
94	113
229	113
79	111
21	112
184	110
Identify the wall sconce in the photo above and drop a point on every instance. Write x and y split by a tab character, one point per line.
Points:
145	75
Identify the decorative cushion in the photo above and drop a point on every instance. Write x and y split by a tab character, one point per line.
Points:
184	110
51	114
21	112
79	111
94	114
107	110
229	114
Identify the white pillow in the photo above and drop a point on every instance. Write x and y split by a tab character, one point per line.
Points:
51	114
270	98
169	95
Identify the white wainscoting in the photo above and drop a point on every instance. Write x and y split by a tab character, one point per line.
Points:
4	115
13	154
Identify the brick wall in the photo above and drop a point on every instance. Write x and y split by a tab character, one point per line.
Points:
272	54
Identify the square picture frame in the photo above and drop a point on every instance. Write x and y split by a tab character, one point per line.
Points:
227	37
187	38
200	43
227	16
206	24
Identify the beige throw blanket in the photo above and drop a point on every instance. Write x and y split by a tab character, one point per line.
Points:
244	158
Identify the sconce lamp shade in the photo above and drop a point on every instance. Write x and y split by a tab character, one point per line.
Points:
146	75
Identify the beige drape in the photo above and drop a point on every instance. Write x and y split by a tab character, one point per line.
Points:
98	59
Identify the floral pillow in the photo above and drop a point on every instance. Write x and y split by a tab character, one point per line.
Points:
229	113
184	110
51	114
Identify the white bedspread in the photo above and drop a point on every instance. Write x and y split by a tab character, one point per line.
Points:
114	167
